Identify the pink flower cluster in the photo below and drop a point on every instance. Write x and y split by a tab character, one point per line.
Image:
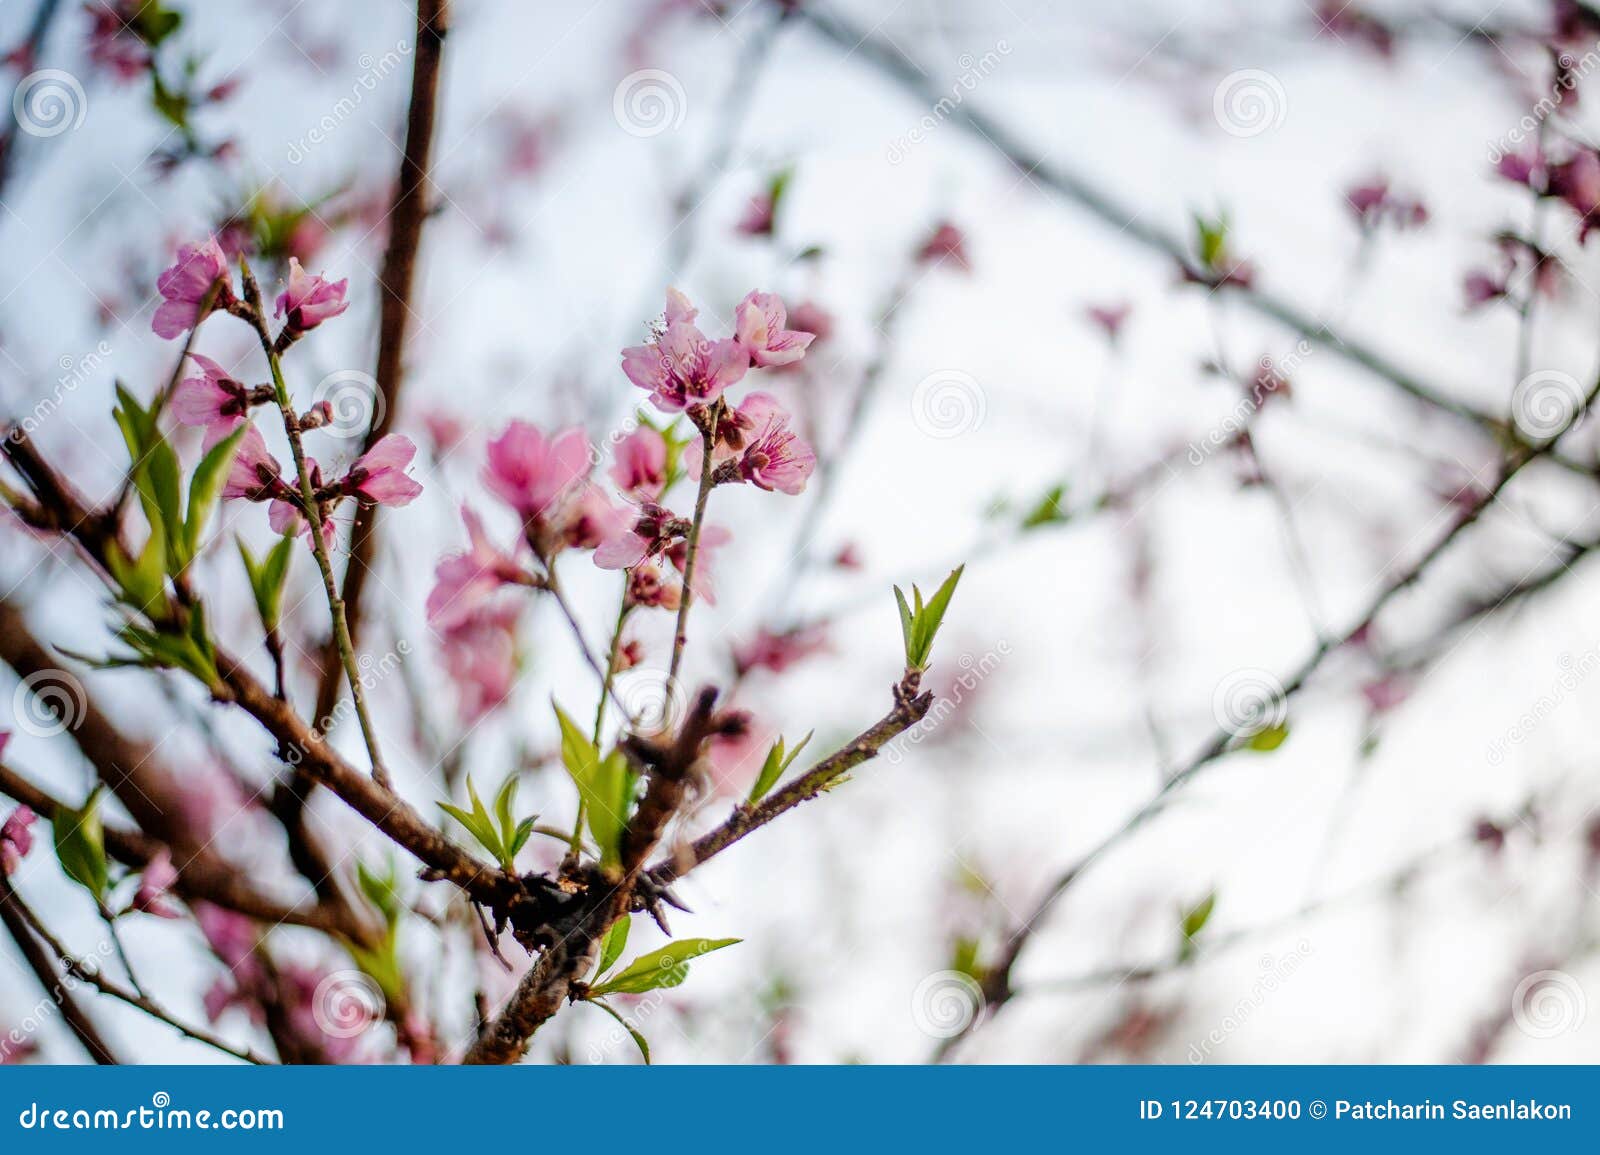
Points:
546	481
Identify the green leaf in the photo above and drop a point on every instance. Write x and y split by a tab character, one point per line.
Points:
81	845
480	825
612	946
205	488
267	577
142	580
606	787
1196	917
778	761
1048	509
638	1039
382	890
919	622
1269	739
667	967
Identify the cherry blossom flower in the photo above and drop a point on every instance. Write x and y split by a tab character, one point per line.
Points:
158	878
590	519
1374	203
16	839
631	534
310	300
212	399
760	214
480	657
1109	319
777	652
530	472
712	539
649	586
947	243
759	323
184	287
379	474
255	473
464	582
681	366
770	455
640	463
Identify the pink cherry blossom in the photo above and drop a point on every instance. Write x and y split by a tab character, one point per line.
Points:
684	367
480	656
1109	319
464	582
625	541
310	300
185	286
649	586
759	326
777	652
158	878
530	472
770	454
679	307
640	466
212	399
759	216
16	839
286	518
590	518
379	474
255	473
712	539
947	243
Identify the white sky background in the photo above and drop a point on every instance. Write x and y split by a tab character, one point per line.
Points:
851	900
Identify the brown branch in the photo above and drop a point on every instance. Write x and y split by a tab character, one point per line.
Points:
997	984
115	990
396	282
199	877
861	44
38	960
545	988
909	709
382	807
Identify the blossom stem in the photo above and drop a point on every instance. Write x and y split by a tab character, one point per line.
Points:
319	547
691	555
600	710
